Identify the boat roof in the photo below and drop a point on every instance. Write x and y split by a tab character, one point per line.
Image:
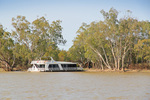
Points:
50	62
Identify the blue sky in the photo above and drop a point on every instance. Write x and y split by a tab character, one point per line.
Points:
72	13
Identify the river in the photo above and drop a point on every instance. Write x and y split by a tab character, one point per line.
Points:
74	86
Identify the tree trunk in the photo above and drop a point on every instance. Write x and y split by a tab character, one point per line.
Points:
93	65
105	63
118	63
101	65
123	62
114	58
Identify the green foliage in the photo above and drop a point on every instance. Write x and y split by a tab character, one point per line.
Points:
6	49
108	42
63	56
112	43
30	41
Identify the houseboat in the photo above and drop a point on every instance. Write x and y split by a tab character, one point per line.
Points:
53	66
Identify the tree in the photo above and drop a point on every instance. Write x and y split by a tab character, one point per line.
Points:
6	50
77	51
38	36
36	40
23	38
110	41
142	47
48	35
63	55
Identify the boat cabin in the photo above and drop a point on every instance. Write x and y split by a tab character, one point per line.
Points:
53	66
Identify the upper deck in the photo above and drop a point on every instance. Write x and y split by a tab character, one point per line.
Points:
50	62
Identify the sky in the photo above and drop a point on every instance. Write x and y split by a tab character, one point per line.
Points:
72	13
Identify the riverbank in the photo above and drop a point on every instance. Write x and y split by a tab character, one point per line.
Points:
107	70
99	70
2	70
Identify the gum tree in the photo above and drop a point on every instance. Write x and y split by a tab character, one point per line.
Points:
7	59
110	41
37	39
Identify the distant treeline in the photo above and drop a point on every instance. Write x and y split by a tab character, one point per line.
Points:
109	44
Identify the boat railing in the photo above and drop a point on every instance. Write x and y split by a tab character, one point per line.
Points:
41	69
54	69
69	68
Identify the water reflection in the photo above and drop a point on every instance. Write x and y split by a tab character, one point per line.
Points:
74	85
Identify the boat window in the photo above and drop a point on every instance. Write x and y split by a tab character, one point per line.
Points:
63	65
49	66
74	65
68	65
42	66
53	66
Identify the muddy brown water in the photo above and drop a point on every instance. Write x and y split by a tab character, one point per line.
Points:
74	86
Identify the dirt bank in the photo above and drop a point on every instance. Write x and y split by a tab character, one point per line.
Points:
107	70
2	70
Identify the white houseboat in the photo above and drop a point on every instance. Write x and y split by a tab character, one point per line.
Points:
53	66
